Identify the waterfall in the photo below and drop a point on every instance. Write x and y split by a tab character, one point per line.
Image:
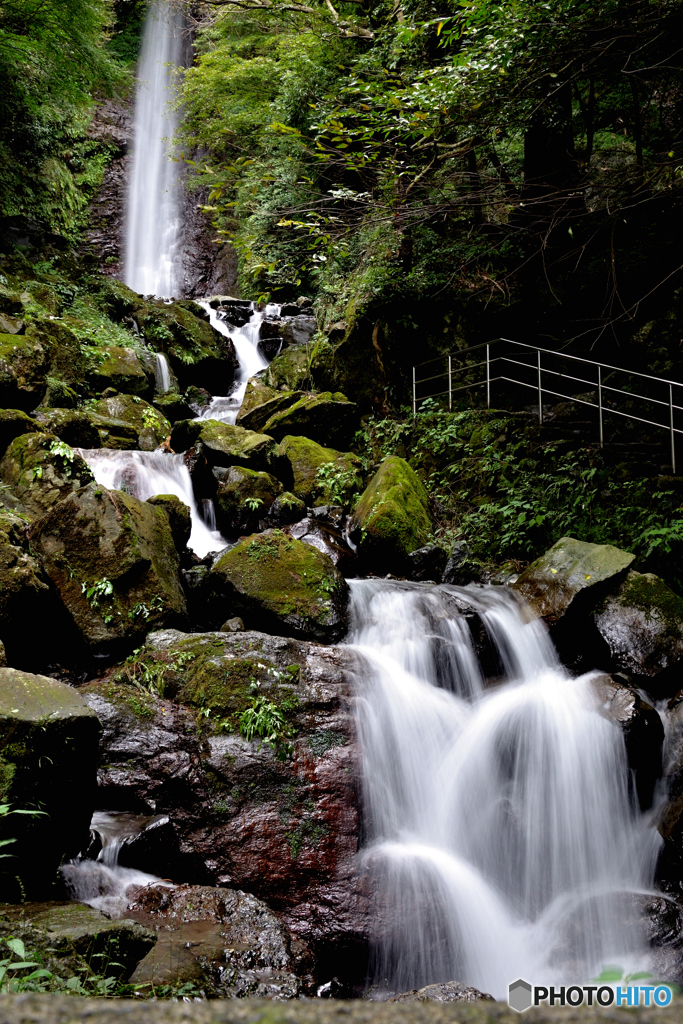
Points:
146	474
153	219
251	361
162	374
502	838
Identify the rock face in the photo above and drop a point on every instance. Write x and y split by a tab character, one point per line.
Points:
312	466
41	470
120	368
392	518
74	427
48	761
276	582
571	567
284	828
114	563
642	624
241	948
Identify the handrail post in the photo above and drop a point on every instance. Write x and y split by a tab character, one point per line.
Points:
414	395
540	393
450	385
488	379
600	404
671	428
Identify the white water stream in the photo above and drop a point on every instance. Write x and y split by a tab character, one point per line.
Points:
503	839
251	360
153	218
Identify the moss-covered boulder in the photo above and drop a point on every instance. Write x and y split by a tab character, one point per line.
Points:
25	594
14	423
113	561
119	368
328	418
179	517
41	470
392	518
317	471
116	434
73	426
67	360
172	406
642	625
284	586
195	350
571	568
227	445
48	762
291	370
243	498
24	364
261	403
152	426
286	509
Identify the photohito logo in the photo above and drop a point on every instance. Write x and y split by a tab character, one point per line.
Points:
522	996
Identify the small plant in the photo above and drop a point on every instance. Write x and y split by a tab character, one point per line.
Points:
65	452
98	592
143	611
253	503
337	482
267	720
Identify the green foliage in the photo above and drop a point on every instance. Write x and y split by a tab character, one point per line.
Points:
339	484
99	594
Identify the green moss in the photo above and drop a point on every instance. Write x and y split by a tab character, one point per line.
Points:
310	462
309	833
392	518
323	740
7	773
650	594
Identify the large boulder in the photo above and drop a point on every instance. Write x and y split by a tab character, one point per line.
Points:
239	946
151	426
196	351
24	364
261	403
48	761
119	368
228	445
321	474
67	362
283	585
642	625
328	418
392	518
14	423
243	498
70	425
569	570
42	470
277	820
114	563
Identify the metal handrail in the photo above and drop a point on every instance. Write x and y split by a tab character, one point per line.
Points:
539	387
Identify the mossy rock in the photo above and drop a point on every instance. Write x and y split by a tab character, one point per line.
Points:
67	361
281	585
195	350
10	302
41	470
291	370
116	434
25	593
172	406
243	498
151	426
71	425
24	365
392	518
328	418
48	755
119	368
179	517
642	624
262	403
570	568
310	462
228	445
114	563
14	423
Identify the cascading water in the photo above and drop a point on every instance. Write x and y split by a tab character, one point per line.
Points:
504	841
162	374
153	221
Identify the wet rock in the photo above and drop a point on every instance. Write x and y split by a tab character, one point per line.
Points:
392	518
120	368
446	992
289	309
114	434
24	363
235	625
228	445
14	423
42	470
427	563
113	948
151	426
263	404
461	568
198	399
196	351
179	517
327	418
172	406
642	625
48	760
113	561
326	538
291	369
286	509
315	469
299	330
281	584
282	827
303	302
552	583
242	497
243	948
74	427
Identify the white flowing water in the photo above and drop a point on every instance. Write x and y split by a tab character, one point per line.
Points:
153	217
162	374
503	839
146	474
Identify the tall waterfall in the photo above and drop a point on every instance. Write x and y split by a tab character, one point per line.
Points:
153	219
503	841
